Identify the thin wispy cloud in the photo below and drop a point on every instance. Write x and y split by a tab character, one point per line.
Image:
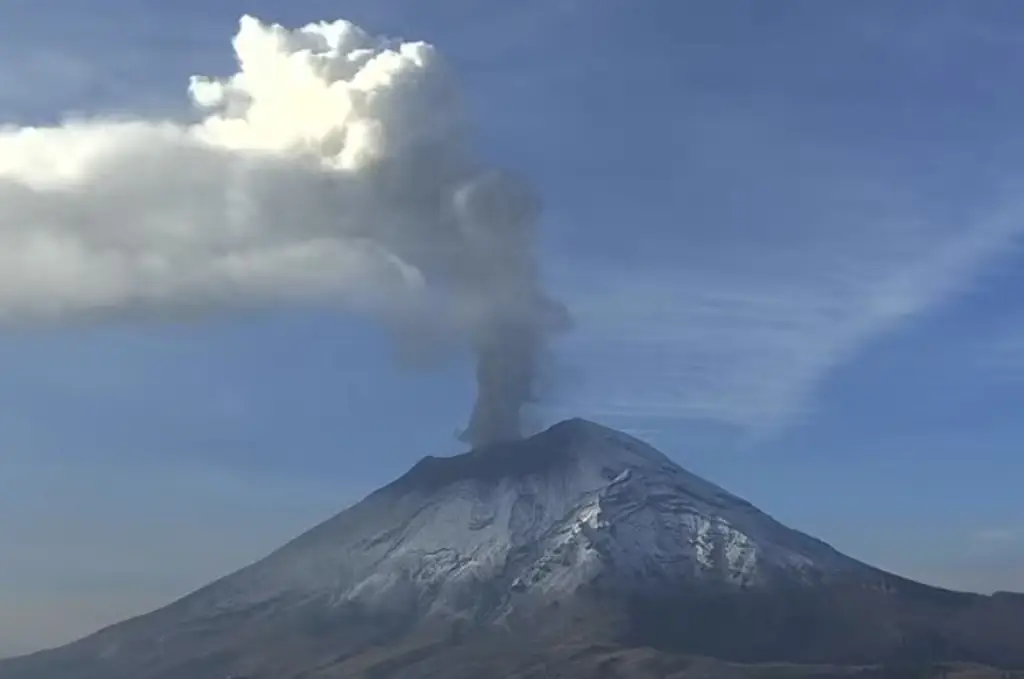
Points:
801	238
746	336
999	354
803	233
997	535
940	30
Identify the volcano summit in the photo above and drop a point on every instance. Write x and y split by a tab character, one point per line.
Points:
578	551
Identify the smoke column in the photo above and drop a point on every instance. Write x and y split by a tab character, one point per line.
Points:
333	166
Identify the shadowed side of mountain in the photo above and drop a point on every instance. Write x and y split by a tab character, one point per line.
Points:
578	552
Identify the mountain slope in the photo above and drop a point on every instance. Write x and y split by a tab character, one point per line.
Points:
578	536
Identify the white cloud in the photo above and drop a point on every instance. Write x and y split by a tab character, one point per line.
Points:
999	354
333	165
248	204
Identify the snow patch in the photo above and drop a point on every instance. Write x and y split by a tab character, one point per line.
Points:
604	506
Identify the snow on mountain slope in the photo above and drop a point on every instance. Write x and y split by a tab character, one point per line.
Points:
535	519
632	548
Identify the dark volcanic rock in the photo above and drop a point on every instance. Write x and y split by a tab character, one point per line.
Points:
578	552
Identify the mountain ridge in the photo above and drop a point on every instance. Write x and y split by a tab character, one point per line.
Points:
580	531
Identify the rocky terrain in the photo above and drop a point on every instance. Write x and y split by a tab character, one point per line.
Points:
578	552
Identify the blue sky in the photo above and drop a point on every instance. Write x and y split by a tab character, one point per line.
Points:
789	235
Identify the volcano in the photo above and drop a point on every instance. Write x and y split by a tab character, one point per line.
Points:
578	552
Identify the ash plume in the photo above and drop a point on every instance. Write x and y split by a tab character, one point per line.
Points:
333	166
